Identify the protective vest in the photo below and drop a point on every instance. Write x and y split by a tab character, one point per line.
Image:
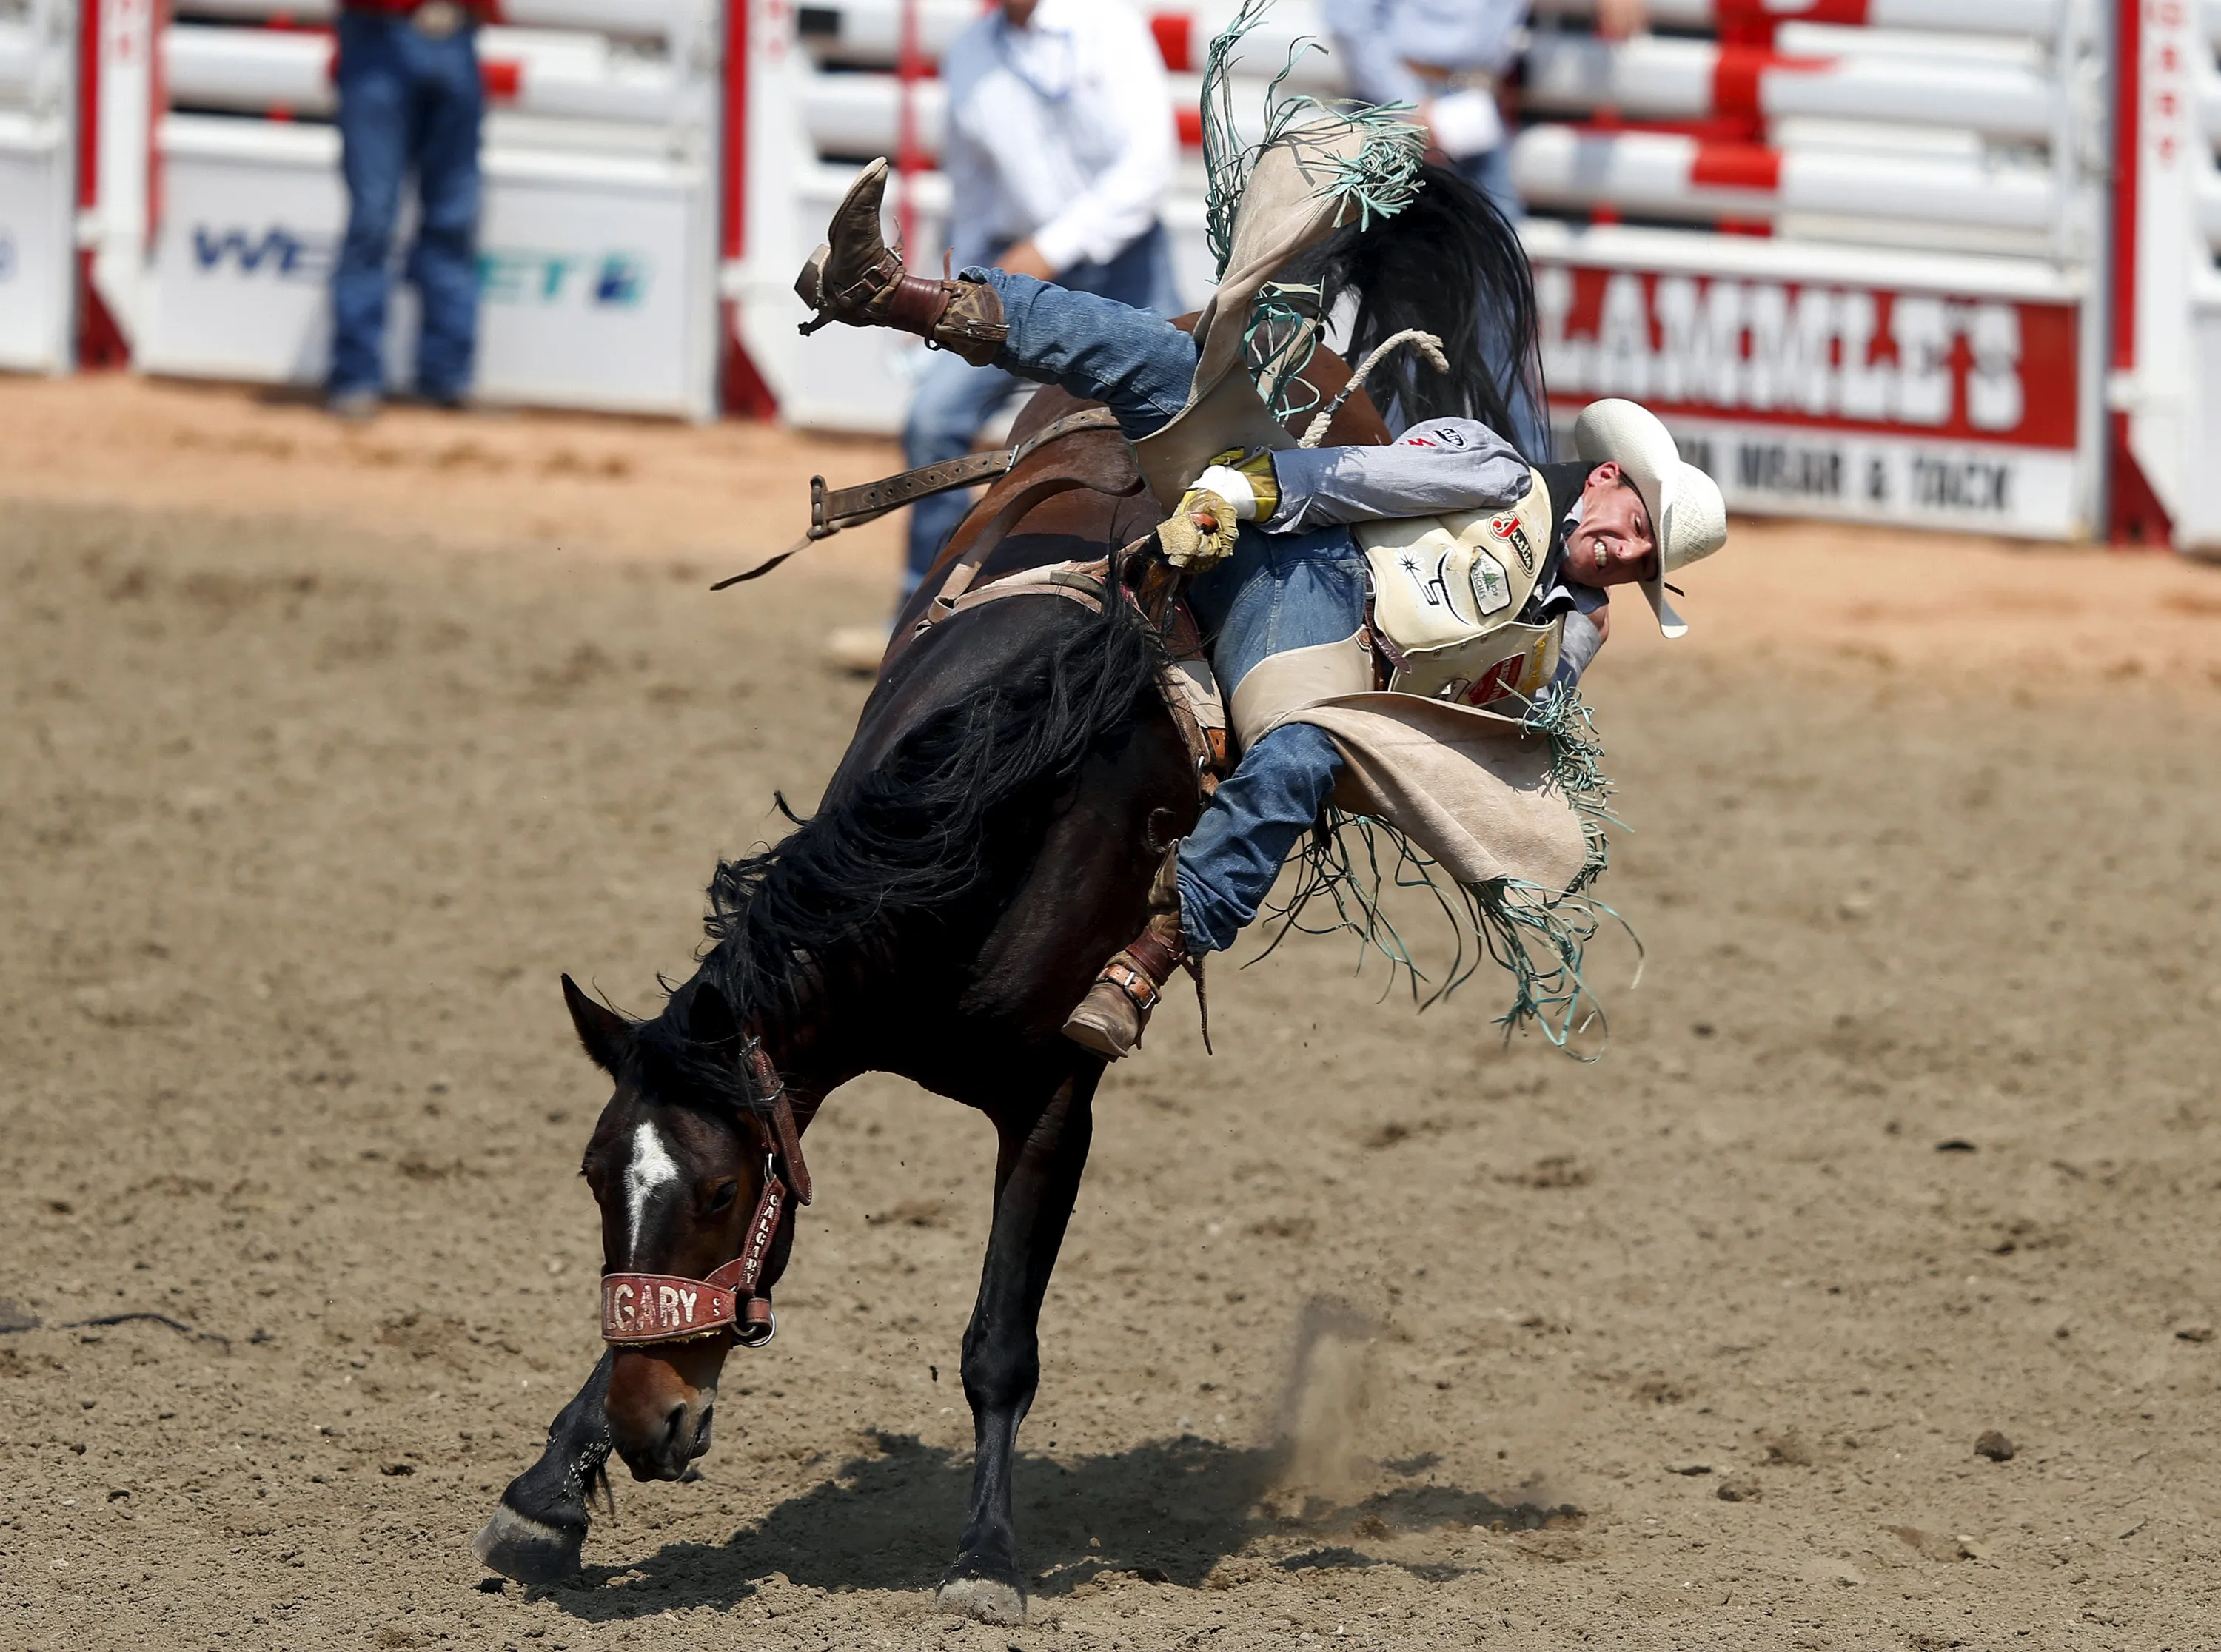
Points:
1446	594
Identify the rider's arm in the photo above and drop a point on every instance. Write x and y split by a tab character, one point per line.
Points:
1585	632
1442	464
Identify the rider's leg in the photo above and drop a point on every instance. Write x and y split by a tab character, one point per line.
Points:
1097	348
1275	593
1135	363
1228	863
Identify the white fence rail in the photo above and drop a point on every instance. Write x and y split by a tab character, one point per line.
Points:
600	236
37	185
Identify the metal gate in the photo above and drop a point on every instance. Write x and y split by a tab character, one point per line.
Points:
598	245
38	182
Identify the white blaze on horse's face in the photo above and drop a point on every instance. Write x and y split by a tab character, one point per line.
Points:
652	1169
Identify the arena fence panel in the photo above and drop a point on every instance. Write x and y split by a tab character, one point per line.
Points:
2164	396
1851	251
39	58
601	234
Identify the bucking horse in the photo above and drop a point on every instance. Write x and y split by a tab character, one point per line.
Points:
1014	782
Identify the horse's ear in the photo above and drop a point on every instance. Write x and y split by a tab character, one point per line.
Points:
604	1031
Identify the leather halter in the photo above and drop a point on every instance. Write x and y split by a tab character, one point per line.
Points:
643	1309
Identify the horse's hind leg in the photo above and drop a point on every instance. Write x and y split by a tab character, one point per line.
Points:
539	1530
1037	1178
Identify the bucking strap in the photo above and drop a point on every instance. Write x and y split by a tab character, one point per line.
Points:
834	509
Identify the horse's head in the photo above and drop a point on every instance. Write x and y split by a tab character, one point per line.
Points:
679	1163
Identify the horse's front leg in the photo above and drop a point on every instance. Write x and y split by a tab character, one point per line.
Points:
539	1530
1037	1172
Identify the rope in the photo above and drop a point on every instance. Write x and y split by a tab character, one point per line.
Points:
1427	344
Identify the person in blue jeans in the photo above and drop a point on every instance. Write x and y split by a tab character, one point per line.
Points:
1295	577
410	101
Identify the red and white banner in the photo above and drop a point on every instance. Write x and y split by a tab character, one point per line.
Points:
1840	398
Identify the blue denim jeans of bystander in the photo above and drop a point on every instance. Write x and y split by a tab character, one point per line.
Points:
407	103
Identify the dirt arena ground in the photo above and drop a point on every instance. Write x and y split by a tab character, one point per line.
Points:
325	751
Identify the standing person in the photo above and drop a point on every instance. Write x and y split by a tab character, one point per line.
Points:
1060	150
1447	60
409	101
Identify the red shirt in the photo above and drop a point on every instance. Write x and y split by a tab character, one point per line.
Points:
483	10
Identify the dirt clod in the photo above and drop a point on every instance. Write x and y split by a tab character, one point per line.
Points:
1993	1445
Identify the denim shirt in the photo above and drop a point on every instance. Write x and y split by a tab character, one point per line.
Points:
1378	40
1436	465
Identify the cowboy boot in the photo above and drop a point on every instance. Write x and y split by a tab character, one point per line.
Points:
858	279
1110	1018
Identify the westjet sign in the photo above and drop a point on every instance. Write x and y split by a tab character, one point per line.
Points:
617	280
286	255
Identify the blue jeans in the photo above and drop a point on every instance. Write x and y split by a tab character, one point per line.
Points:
954	399
1277	591
407	103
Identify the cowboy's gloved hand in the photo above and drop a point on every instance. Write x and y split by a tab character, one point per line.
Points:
1199	534
1245	479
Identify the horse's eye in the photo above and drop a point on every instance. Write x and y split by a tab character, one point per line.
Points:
723	1199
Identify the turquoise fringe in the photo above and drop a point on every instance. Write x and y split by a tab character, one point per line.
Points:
1282	330
1536	935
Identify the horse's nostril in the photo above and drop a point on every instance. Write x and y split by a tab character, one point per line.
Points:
702	1430
672	1424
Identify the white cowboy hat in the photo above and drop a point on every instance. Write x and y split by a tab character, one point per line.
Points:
1688	518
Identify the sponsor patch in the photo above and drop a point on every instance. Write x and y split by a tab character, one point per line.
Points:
1508	530
1492	584
1499	680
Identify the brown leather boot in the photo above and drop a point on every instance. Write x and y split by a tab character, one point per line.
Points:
858	279
1111	1017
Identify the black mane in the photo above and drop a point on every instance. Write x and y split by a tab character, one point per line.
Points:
920	837
1451	238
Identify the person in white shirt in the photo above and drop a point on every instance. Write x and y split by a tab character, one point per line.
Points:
1447	60
1059	151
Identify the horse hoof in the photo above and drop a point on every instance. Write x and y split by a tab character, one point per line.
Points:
984	1600
523	1549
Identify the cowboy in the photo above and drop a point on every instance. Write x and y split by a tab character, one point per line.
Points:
1284	542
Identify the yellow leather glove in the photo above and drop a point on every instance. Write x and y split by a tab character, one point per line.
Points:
1199	534
1244	477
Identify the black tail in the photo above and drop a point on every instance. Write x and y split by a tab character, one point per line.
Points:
1451	264
921	837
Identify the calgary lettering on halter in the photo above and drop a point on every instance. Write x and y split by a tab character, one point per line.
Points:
1849	353
630	1308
